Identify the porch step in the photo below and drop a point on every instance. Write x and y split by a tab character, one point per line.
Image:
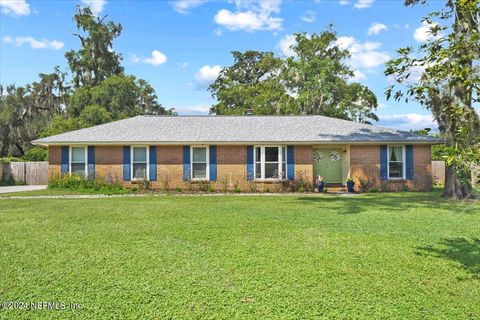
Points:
336	187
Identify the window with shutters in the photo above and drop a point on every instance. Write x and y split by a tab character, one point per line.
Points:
78	161
270	162
199	162
396	162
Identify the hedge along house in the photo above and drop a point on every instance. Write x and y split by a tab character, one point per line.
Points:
242	151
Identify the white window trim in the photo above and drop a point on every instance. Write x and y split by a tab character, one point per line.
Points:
70	159
282	175
404	166
147	178
207	171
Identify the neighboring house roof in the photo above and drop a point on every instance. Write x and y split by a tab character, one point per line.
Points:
233	130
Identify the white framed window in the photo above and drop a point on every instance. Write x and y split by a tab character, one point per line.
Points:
396	162
78	161
139	156
270	162
200	160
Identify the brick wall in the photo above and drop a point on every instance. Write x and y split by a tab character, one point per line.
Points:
54	161
365	164
108	162
304	162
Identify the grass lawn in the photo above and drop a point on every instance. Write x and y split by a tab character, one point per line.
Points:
383	256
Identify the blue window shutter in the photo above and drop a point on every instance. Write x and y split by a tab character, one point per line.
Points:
91	161
64	159
213	163
152	154
290	162
383	162
186	163
250	164
409	162
126	163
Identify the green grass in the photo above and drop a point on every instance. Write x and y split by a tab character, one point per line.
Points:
373	256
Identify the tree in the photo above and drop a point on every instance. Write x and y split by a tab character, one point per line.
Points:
96	60
449	86
316	80
319	76
121	96
251	84
25	111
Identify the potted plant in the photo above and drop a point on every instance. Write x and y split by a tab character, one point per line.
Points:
350	185
320	183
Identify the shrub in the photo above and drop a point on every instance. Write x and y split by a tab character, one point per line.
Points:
237	190
144	186
365	184
10	159
373	190
252	186
36	153
204	185
75	182
178	189
166	181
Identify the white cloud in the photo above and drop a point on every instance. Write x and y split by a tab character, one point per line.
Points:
363	55
34	43
343	2
285	45
409	121
422	33
309	16
358	76
15	7
362	4
135	59
376	28
206	75
96	6
251	15
184	6
156	59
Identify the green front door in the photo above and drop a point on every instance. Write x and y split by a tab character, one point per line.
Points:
328	164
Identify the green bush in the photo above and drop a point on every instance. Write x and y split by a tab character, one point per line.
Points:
78	183
10	159
36	153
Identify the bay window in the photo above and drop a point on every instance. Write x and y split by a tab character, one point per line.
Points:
78	161
270	162
139	163
200	163
396	162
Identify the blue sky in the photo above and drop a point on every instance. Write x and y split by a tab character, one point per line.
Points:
179	46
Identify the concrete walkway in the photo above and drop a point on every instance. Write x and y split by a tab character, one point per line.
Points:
21	188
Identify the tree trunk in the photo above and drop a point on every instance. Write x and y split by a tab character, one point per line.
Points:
454	187
20	149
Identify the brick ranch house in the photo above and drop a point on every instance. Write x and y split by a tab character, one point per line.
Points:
238	151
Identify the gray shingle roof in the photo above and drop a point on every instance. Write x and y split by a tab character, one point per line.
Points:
233	129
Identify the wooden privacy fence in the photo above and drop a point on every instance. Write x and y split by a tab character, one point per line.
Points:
438	172
32	172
